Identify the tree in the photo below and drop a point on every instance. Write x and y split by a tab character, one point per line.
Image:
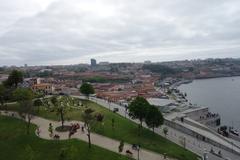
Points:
24	97
54	100
154	117
158	68
87	89
99	117
60	106
14	78
46	102
88	118
2	94
37	103
138	109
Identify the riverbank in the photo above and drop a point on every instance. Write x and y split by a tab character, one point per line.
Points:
187	81
179	83
220	76
218	94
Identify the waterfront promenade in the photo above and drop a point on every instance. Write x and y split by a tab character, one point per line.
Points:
197	146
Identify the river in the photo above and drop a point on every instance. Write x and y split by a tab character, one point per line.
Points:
221	95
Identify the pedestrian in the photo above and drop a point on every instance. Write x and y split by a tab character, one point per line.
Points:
83	129
50	129
164	156
211	151
77	126
70	134
38	131
220	153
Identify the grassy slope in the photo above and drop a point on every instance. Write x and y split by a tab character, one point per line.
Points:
127	131
14	141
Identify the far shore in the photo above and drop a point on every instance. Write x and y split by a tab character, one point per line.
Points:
205	78
213	77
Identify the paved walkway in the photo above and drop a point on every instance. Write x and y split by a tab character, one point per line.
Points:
98	140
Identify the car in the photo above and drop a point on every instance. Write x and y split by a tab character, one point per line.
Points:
235	132
115	110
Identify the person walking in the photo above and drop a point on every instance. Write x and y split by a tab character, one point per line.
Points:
38	131
50	129
164	155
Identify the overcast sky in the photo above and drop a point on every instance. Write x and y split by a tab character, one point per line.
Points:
40	32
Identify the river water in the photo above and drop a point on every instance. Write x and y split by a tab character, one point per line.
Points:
221	95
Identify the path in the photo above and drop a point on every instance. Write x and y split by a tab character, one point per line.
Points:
98	140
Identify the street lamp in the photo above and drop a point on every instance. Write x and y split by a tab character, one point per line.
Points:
138	149
205	156
125	111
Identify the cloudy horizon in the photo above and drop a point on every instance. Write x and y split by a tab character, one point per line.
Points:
49	32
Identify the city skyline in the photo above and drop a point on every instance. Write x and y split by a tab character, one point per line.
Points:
72	31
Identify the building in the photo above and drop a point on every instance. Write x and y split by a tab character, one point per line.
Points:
203	116
46	87
147	62
33	81
45	70
104	63
93	62
3	77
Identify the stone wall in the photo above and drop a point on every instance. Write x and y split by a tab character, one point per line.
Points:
198	136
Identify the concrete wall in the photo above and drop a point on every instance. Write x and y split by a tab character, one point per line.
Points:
198	136
237	138
195	114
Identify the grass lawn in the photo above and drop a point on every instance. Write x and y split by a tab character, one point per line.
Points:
16	145
125	130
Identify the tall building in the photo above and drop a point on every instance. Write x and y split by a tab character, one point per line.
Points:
93	62
147	62
103	63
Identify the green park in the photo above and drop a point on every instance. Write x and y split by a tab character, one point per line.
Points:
18	138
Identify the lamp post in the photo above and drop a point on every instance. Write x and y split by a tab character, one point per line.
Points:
138	149
184	142
125	111
205	156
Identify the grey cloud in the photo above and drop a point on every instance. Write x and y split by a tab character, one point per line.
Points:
72	31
